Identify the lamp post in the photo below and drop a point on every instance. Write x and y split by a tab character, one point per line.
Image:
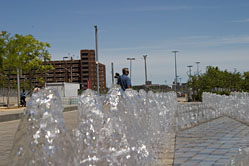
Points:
45	75
130	59
65	57
180	79
175	71
189	70
145	56
197	63
97	59
112	73
189	89
18	87
18	83
71	69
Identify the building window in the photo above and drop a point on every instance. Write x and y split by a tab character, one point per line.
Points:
84	54
84	58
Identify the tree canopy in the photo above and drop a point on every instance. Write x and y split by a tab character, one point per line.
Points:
217	81
22	52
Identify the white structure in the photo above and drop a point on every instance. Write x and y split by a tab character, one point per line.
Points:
65	89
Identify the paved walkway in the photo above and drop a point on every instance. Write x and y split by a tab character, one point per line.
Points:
210	144
8	130
16	113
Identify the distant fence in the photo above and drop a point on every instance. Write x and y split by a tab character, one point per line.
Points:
235	106
4	95
70	100
13	98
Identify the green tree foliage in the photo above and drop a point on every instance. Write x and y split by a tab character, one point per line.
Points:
217	81
22	52
245	84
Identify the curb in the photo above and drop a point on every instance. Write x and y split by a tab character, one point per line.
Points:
19	114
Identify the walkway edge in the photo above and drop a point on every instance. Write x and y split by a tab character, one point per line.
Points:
18	115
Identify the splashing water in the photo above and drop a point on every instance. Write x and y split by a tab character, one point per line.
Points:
120	128
41	137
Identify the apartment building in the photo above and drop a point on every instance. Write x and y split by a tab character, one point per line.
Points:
82	71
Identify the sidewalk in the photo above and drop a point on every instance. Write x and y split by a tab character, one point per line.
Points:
212	143
16	113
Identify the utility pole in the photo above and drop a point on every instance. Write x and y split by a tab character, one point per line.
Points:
65	57
175	71
189	70
45	76
130	59
180	84
96	57
145	56
112	73
71	69
18	86
197	63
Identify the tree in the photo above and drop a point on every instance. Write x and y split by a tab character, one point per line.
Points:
23	53
245	82
215	81
34	54
2	45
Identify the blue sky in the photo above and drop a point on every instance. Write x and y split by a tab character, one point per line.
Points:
213	32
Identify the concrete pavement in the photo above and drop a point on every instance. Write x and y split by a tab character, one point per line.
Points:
8	130
210	144
16	113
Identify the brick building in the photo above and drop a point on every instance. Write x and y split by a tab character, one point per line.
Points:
81	71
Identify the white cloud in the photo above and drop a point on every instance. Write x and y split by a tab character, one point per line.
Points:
186	42
138	9
159	8
243	20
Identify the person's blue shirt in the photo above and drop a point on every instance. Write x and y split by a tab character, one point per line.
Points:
124	81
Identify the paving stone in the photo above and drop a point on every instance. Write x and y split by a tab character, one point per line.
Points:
214	143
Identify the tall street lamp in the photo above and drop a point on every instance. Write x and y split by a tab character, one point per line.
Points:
197	63
71	69
145	68
130	59
97	59
65	57
112	73
189	70
175	71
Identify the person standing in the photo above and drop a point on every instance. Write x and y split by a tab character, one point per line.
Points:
23	98
124	81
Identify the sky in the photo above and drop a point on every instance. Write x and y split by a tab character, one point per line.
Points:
212	32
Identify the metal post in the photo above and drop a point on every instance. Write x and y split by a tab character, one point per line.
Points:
145	56
45	76
180	79
65	57
18	87
97	60
71	70
175	71
189	70
112	73
130	59
197	63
